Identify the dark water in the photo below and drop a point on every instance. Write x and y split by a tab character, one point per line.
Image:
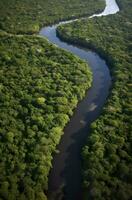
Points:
65	178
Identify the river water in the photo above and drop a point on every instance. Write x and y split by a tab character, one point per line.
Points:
65	178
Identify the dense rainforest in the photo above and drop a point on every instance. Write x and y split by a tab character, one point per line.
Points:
40	86
27	16
107	155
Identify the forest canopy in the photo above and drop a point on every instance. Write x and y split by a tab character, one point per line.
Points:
107	156
27	16
40	85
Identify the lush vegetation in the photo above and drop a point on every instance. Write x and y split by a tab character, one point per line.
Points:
40	86
27	16
107	156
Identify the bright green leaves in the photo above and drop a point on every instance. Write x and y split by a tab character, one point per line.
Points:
40	100
37	97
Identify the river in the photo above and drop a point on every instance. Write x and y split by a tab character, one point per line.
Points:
65	178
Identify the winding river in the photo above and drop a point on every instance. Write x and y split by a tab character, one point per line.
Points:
65	177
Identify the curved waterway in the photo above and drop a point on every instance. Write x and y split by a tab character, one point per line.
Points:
65	178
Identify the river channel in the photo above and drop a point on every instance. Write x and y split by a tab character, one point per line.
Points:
65	178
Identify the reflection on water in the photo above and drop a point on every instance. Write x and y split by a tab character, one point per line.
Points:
65	176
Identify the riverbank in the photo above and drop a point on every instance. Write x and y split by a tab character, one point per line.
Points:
60	182
25	61
40	85
68	162
28	17
107	156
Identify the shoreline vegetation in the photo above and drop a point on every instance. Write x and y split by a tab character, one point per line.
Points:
28	17
107	156
38	92
40	86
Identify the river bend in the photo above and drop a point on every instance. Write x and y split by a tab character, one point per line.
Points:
66	169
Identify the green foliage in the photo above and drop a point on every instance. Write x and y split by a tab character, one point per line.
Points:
40	100
38	92
27	16
107	156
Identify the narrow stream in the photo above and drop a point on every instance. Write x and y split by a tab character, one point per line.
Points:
66	172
